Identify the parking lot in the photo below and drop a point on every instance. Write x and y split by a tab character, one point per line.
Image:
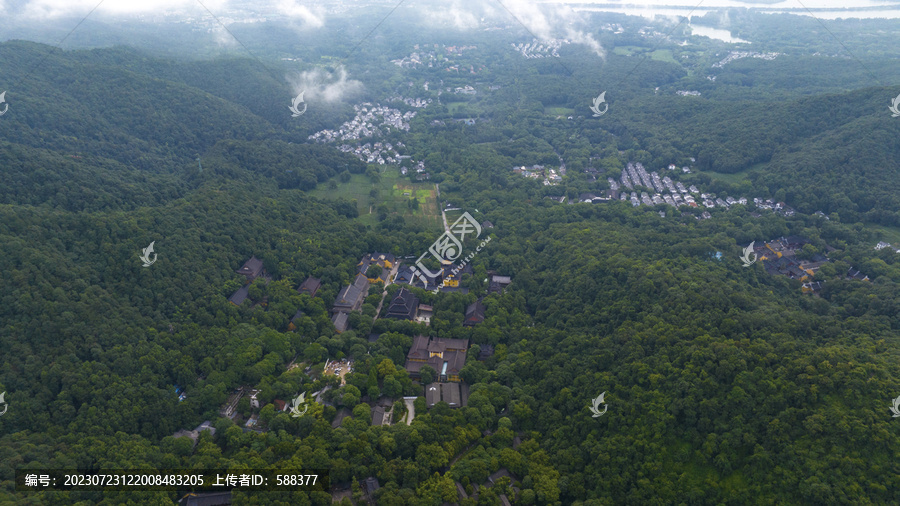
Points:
340	368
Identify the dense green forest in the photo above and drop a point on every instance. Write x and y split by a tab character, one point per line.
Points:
724	384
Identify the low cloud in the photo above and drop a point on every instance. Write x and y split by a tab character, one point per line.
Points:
544	21
579	37
286	9
325	86
293	10
222	37
455	15
43	9
548	21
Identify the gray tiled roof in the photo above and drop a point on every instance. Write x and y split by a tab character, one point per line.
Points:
239	296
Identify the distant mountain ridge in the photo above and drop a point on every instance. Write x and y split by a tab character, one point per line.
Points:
115	127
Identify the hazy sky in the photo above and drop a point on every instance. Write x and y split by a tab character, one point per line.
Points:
73	7
545	19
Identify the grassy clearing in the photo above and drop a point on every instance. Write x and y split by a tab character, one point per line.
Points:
428	211
663	55
627	50
658	55
735	178
357	188
559	111
728	178
455	107
885	233
394	191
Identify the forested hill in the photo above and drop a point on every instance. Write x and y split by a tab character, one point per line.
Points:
144	113
724	384
159	116
43	177
77	106
96	129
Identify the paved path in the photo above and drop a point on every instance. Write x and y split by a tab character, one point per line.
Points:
437	189
446	226
380	303
387	283
410	409
562	164
321	393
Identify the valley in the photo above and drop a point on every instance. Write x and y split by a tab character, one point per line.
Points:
451	253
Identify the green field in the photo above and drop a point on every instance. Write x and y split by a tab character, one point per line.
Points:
728	178
393	190
627	50
735	178
559	111
455	107
885	233
663	55
658	55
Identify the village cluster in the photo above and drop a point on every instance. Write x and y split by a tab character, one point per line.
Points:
540	49
737	55
419	167
367	123
635	178
378	152
550	177
673	193
428	55
418	103
612	27
465	90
